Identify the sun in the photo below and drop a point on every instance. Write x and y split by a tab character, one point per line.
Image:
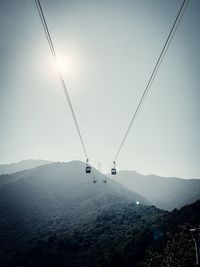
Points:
65	64
68	63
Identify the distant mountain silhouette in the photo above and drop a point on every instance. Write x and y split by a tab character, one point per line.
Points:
165	193
21	165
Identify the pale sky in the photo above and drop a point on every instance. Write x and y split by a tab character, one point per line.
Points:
108	49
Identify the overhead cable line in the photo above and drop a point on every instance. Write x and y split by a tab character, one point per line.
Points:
154	72
64	87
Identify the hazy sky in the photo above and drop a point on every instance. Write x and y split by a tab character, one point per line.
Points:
108	49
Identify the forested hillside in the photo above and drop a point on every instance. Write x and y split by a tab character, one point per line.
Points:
53	216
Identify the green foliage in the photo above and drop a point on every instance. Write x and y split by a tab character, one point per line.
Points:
124	235
179	250
48	220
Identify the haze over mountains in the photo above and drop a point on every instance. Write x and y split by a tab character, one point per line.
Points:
165	193
61	186
21	165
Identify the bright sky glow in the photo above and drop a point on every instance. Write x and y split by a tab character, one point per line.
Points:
65	64
106	51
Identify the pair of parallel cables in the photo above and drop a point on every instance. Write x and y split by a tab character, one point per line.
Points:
144	95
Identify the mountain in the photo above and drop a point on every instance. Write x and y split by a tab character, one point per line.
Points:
21	165
45	201
166	193
63	180
54	215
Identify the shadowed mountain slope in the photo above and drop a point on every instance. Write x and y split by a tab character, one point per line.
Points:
52	198
59	188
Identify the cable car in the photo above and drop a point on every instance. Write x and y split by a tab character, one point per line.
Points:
88	167
104	181
113	170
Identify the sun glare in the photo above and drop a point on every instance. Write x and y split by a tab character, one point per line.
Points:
65	64
69	64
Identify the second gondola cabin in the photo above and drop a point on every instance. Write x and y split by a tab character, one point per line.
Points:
88	169
113	171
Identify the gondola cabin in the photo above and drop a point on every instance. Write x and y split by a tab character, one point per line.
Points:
88	169
113	171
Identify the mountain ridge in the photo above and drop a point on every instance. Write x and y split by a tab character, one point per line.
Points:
22	165
164	192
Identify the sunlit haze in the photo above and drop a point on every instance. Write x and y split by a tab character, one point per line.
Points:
106	51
